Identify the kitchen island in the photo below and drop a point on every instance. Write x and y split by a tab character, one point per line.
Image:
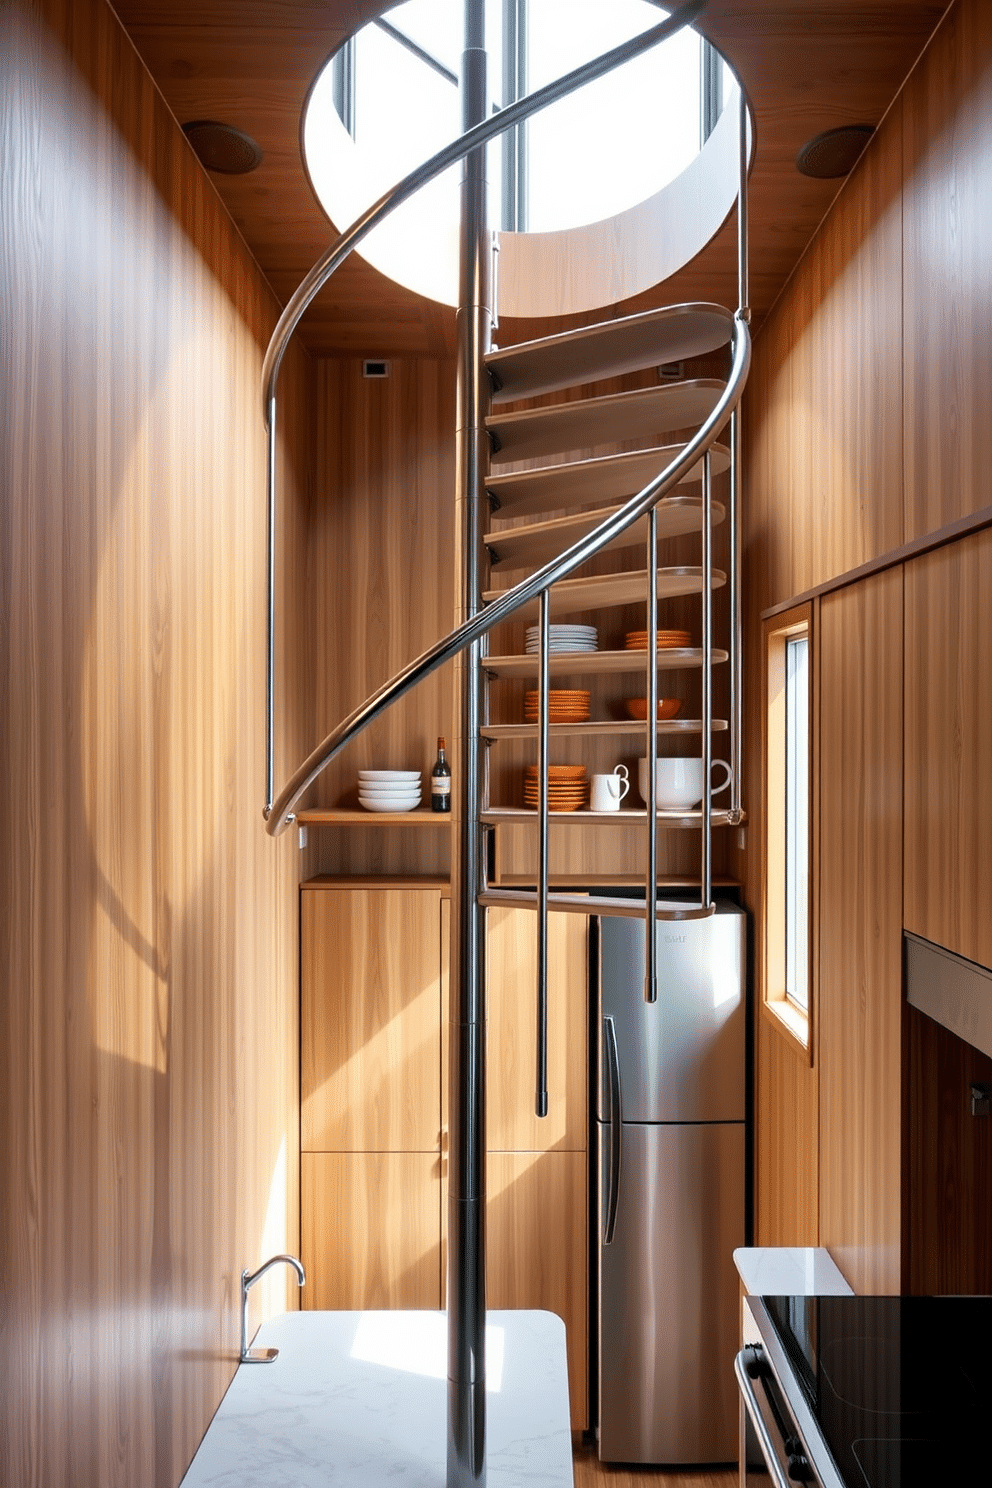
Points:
359	1398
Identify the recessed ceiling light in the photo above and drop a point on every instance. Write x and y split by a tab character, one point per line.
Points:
834	152
222	148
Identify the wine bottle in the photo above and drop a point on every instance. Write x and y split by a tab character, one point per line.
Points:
441	781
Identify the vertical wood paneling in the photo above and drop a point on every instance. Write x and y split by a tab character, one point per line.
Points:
370	1020
148	1027
948	122
859	1013
786	1143
948	729
381	587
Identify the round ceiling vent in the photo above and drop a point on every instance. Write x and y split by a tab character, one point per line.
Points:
834	152
221	147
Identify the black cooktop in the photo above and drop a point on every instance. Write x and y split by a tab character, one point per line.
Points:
901	1387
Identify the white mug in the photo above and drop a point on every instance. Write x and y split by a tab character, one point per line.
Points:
609	790
679	781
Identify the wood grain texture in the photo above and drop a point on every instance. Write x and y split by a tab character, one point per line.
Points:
824	413
950	1164
948	727
591	1473
511	1034
860	1006
947	122
371	1229
536	1225
149	1020
370	1020
786	1142
380	589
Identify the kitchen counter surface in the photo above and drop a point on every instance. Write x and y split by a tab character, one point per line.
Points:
789	1271
359	1398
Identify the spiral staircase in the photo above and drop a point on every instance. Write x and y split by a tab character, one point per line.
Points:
639	496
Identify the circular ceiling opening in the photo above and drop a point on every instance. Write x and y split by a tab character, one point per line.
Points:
389	99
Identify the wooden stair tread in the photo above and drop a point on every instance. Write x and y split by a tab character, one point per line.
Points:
608	478
534	544
598	591
599	663
589	422
673	333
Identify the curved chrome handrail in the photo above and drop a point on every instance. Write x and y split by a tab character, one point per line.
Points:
514	113
528	589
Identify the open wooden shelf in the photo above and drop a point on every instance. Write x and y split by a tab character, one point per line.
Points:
351	816
520	816
601	591
609	726
598	663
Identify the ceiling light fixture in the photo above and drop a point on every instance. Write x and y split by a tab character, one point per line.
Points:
222	148
834	152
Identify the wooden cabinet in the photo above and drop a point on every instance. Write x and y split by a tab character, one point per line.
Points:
537	1205
374	1002
370	1092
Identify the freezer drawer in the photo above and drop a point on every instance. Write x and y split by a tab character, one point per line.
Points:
682	1057
668	1294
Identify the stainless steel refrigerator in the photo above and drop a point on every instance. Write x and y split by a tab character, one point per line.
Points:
670	1129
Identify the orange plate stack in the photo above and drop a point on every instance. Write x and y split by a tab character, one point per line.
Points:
637	640
564	705
567	787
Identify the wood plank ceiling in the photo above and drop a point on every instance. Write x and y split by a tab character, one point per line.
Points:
807	65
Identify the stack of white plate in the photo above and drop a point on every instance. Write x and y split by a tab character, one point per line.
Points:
389	790
563	638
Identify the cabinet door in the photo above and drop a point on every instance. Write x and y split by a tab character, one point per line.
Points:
511	1074
371	1229
537	1253
370	1077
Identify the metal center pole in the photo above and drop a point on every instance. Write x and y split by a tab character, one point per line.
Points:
466	1449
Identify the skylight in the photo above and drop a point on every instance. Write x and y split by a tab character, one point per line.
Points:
389	99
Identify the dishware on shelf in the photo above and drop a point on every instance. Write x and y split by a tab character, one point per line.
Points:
637	640
389	790
638	708
562	637
565	705
679	781
609	790
567	787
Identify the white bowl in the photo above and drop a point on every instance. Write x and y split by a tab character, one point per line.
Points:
390	803
392	788
389	777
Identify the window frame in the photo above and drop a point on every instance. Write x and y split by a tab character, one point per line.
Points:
795	1025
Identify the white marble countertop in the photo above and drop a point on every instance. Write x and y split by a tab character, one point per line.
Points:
789	1271
359	1398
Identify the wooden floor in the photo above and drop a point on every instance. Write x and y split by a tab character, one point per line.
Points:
591	1473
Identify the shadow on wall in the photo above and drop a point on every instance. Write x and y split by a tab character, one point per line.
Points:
149	1081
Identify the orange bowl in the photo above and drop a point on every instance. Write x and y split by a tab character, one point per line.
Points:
638	708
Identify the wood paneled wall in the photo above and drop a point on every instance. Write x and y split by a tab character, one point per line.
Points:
380	589
867	428
148	1020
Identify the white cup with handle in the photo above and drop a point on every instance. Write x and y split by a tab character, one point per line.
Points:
680	781
609	790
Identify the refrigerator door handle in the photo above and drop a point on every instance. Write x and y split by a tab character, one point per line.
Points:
613	1081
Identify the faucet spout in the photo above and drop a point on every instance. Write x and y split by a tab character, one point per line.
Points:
248	1280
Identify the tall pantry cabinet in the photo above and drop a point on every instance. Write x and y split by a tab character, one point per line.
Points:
374	1102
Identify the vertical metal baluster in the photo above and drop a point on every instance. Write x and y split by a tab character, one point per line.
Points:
706	885
541	1099
736	622
270	614
743	268
651	887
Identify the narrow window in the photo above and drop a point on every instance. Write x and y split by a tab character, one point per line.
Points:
787	990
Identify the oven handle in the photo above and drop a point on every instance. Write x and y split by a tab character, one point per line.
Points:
758	1421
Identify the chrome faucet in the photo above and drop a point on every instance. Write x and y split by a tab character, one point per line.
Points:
248	1280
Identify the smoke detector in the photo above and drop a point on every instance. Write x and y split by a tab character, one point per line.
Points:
834	152
222	148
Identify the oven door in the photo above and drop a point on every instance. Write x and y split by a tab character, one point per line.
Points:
770	1448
